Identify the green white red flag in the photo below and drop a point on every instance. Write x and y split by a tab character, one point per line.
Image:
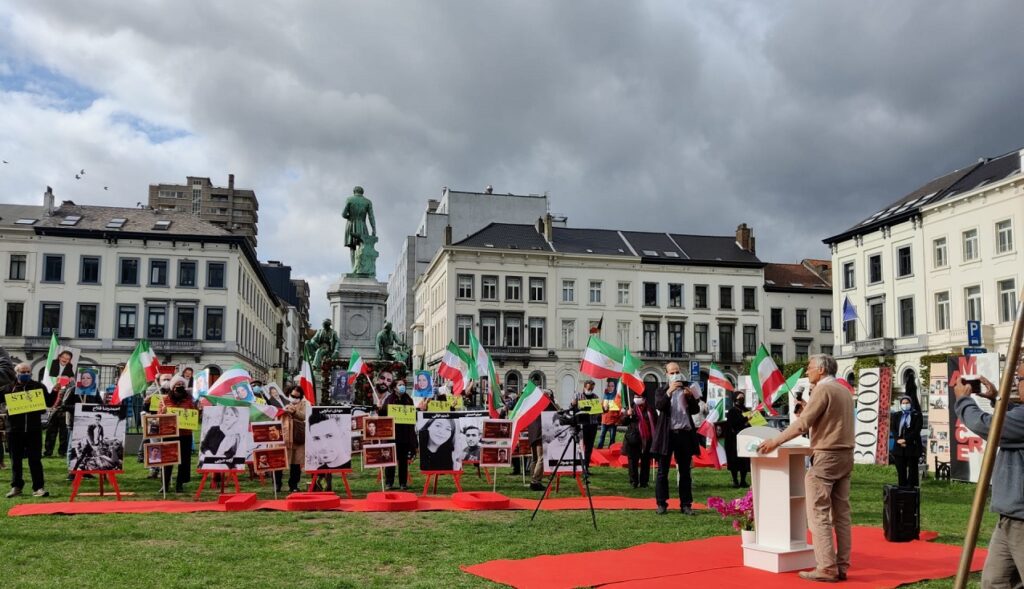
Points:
715	451
483	366
234	389
601	359
767	380
530	405
357	366
716	377
305	382
455	366
631	372
140	370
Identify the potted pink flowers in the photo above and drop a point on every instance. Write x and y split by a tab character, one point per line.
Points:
741	510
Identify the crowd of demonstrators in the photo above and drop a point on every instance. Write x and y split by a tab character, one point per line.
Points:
179	398
675	435
25	434
405	434
829	418
611	407
736	421
293	421
1004	566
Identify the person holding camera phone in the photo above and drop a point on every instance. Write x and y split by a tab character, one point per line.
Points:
1003	566
675	435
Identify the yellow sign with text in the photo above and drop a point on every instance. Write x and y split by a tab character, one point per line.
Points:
403	414
187	418
18	403
460	403
755	418
591	406
154	403
439	406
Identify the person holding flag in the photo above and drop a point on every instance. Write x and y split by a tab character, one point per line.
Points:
640	421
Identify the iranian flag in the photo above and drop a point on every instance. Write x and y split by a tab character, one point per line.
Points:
305	380
356	366
631	372
51	356
716	377
767	380
715	453
531	403
716	410
140	370
601	359
230	395
456	367
483	366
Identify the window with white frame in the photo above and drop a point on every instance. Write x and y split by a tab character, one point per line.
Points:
1004	237
536	326
904	262
1007	300
463	325
622	330
465	286
848	276
874	268
826	320
970	245
906	316
536	290
488	330
675	296
568	291
569	334
942	311
488	288
513	331
623	293
972	302
513	288
700	337
595	291
801	320
940	254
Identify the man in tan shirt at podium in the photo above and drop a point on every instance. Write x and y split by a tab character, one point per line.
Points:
829	418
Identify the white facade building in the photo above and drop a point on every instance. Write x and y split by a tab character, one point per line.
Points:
533	293
104	277
798	315
465	213
919	269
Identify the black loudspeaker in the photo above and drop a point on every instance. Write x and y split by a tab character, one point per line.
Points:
901	516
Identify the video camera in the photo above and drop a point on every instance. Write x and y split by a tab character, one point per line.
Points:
573	417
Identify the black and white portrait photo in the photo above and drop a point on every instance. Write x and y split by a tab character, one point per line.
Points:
97	438
557	438
446	440
225	438
328	438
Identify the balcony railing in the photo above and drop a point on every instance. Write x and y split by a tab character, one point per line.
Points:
882	346
176	346
499	352
37	343
665	355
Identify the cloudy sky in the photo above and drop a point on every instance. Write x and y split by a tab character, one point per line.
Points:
797	118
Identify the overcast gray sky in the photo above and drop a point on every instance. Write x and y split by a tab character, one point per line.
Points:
796	118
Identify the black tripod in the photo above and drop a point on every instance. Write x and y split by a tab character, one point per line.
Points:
575	428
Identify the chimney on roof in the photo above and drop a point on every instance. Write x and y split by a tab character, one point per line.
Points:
489	189
549	232
745	238
231	181
447	234
432	205
48	200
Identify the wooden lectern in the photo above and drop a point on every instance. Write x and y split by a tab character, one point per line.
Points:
780	503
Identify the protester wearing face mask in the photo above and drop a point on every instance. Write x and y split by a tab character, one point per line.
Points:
905	426
294	425
160	390
675	436
179	398
640	420
405	438
24	435
735	422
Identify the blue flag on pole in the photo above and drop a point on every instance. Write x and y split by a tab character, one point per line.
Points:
849	311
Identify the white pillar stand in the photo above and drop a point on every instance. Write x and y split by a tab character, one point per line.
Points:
780	512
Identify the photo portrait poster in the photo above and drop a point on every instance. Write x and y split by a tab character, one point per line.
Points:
495	456
160	425
378	429
224	443
341	392
160	454
270	459
328	438
557	438
379	456
97	438
497	430
267	432
448	439
422	386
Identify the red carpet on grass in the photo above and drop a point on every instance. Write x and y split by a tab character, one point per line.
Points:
430	503
718	562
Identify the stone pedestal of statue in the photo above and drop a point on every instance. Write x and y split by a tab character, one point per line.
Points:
358	310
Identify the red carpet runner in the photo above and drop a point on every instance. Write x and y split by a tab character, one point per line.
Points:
718	562
361	505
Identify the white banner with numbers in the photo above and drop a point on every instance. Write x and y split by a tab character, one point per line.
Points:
866	415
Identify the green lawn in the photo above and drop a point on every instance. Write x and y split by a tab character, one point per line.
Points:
336	549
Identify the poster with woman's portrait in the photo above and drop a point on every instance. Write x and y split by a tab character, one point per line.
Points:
557	443
201	383
224	443
446	440
341	392
97	438
87	385
379	456
423	386
328	438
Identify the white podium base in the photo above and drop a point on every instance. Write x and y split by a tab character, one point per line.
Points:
775	560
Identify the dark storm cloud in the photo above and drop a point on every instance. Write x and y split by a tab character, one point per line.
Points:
798	118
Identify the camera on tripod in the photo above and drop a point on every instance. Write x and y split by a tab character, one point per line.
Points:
573	417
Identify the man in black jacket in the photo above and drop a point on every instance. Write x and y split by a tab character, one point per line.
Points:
675	435
905	426
24	433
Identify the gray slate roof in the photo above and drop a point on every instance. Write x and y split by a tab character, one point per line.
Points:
96	218
650	247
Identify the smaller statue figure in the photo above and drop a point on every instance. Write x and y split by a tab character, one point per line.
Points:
390	347
366	257
324	345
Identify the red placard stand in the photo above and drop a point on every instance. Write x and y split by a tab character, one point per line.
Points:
558	479
225	475
109	475
436	474
344	472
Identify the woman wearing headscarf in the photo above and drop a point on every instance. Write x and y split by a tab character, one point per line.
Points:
639	420
179	398
905	426
735	422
